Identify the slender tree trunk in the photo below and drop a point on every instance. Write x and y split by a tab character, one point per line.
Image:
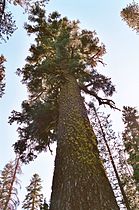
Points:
33	200
126	202
11	185
79	181
33	203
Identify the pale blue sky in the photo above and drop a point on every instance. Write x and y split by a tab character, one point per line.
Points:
122	66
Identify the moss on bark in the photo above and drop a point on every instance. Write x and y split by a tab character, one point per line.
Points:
79	181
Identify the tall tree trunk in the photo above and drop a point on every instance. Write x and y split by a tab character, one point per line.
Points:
79	181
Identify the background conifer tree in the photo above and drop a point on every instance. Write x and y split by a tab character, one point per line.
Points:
44	206
8	182
130	14
34	197
131	139
121	151
110	147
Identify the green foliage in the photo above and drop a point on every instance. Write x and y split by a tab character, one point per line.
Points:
41	119
131	139
2	75
8	182
61	48
109	148
130	15
7	24
34	197
114	155
44	206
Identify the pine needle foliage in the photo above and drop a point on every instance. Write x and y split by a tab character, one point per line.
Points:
110	148
2	75
59	44
34	197
130	14
8	185
44	206
131	139
7	23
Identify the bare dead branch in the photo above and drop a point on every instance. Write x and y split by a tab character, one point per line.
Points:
101	101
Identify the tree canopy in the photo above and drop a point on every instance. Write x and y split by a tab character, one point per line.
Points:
58	41
34	198
7	23
130	14
8	185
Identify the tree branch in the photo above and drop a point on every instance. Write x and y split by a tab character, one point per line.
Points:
89	84
2	6
101	101
37	96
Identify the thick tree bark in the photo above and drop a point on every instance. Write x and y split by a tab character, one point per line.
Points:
79	181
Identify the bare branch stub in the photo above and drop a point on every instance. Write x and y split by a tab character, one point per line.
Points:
101	101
